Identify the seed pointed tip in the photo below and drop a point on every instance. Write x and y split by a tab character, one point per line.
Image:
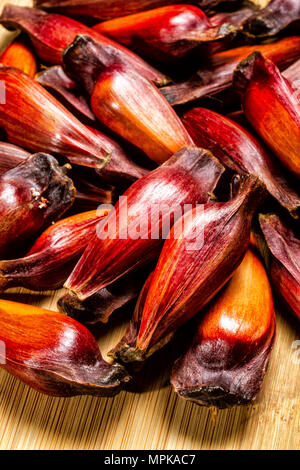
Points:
127	354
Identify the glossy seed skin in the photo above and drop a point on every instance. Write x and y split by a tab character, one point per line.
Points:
36	121
124	101
189	177
32	196
135	109
54	354
165	33
272	107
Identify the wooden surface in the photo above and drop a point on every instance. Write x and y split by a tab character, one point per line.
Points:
150	415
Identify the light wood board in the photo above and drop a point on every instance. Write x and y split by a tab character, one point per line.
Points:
152	416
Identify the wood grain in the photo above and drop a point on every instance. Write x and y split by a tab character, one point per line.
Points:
149	415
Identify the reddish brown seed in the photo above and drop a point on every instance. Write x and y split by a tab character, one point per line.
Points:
90	192
35	120
272	106
127	103
54	354
165	33
32	195
228	357
53	256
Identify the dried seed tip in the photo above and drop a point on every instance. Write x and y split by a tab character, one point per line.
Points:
259	26
11	14
116	376
70	305
276	16
126	350
217	76
196	381
87	312
127	354
243	73
198	160
100	306
84	59
217	397
253	192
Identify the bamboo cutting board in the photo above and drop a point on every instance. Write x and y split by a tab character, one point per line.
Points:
149	415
